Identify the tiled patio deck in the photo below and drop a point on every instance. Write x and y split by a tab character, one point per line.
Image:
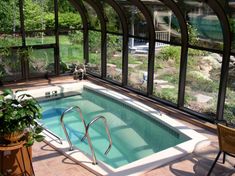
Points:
48	162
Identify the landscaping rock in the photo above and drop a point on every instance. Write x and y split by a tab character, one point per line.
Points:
212	61
167	86
157	81
111	65
232	59
217	57
133	65
203	98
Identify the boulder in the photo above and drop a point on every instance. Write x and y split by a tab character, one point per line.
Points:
232	59
212	61
203	98
217	57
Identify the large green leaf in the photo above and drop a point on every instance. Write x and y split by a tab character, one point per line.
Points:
7	92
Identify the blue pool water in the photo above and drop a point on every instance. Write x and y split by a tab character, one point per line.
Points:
134	134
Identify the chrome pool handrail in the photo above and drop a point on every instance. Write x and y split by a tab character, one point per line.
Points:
107	131
86	134
62	123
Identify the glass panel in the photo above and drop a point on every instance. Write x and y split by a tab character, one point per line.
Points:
71	50
69	17
94	64
10	66
136	21
10	40
229	110
230	9
9	16
204	27
114	57
138	66
94	22
165	22
41	62
40	38
202	81
166	72
113	20
38	14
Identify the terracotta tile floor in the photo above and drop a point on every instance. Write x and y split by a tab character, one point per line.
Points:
48	162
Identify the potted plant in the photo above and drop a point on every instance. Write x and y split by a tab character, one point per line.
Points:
18	115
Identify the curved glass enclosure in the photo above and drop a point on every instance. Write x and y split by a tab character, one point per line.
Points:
94	40
166	24
204	27
114	43
70	37
10	24
178	52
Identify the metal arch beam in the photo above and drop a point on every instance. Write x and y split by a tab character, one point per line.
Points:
184	48
82	10
124	24
227	40
151	37
99	11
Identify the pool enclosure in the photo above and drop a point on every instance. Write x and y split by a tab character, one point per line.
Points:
177	52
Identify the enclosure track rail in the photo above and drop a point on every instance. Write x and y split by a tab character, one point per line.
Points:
86	133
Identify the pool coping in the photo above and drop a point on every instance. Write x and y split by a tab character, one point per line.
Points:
137	167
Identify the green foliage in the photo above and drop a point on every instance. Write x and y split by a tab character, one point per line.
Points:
229	113
198	83
169	53
113	22
39	16
69	20
167	94
171	78
64	6
76	37
34	15
19	113
9	16
193	35
199	53
50	20
229	107
94	41
114	45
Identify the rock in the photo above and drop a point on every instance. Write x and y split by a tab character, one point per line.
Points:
111	65
167	86
217	57
203	98
133	65
212	61
232	59
157	81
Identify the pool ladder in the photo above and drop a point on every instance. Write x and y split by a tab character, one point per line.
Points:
86	131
